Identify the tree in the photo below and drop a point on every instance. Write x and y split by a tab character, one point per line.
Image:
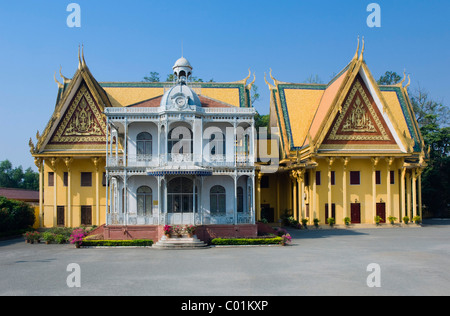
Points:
15	177
154	77
314	79
427	110
262	120
389	78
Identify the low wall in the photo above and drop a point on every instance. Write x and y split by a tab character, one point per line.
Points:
155	232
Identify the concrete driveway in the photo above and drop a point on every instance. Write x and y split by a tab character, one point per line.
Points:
405	261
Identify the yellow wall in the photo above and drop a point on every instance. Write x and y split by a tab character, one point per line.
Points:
362	193
78	195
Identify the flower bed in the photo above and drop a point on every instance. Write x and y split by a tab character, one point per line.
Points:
116	243
247	241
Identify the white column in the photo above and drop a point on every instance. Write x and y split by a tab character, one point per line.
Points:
235	195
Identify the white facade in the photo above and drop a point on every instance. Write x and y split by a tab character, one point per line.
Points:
180	163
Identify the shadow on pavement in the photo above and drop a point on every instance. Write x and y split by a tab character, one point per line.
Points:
322	232
436	221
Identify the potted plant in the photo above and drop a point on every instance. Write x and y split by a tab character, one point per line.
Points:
377	220
305	222
190	230
347	221
48	237
28	237
178	230
167	230
330	221
392	219
285	239
417	220
32	237
77	236
316	222
406	220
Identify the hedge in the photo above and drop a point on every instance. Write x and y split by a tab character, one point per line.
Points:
15	215
246	241
114	243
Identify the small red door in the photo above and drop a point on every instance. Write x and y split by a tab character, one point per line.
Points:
381	211
355	213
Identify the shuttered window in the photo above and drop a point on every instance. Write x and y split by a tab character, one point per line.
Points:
86	179
355	178
51	179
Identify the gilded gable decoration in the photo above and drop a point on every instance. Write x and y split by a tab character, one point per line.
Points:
358	120
83	121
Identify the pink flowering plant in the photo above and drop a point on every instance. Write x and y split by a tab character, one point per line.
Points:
190	229
77	236
167	229
286	238
178	230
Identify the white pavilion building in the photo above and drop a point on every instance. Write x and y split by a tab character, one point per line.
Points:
181	158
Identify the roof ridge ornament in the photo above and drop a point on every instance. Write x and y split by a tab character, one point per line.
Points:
357	50
66	80
79	58
409	82
82	55
361	55
60	85
400	84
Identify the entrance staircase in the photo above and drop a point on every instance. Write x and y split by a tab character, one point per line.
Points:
179	243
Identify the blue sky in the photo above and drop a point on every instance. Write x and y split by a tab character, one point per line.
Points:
125	40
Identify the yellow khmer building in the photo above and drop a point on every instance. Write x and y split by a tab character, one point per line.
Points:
351	144
348	149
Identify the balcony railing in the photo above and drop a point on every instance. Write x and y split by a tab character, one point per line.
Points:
178	159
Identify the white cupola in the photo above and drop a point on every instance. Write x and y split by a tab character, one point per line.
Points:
181	96
182	69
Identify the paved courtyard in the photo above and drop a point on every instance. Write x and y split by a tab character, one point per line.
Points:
411	261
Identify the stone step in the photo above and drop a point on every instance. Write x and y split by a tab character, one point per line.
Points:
179	243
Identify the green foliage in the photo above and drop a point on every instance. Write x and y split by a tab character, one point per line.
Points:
262	121
15	215
247	241
16	178
116	243
153	77
347	220
389	78
378	219
392	219
48	236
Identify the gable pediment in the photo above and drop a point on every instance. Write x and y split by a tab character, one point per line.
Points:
82	122
359	122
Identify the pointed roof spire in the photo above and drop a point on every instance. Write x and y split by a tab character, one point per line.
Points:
361	56
82	55
357	50
79	58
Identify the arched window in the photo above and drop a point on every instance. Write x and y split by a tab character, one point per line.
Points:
144	201
217	198
217	144
240	199
180	141
144	143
